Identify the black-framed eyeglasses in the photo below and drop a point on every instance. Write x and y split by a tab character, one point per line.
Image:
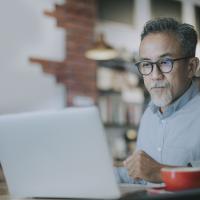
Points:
165	65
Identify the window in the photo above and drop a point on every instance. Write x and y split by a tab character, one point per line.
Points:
116	10
169	8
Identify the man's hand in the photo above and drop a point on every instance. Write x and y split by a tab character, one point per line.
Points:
141	166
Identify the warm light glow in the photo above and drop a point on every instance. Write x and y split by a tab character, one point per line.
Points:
101	50
101	54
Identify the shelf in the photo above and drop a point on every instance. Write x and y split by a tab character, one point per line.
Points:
116	64
108	92
115	125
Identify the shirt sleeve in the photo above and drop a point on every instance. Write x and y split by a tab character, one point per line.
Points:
122	176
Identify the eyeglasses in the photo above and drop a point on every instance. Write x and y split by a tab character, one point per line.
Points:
165	65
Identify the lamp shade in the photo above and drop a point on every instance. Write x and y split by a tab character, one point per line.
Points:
101	50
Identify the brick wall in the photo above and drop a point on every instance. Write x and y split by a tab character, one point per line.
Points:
76	72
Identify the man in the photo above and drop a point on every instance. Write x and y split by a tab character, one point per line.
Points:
169	133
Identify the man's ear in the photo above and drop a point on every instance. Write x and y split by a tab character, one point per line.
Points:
192	66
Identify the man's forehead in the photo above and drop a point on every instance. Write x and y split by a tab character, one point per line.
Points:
164	55
158	45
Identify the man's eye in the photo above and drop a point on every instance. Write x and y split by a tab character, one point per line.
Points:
165	62
146	64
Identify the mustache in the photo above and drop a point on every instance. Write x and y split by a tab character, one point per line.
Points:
159	84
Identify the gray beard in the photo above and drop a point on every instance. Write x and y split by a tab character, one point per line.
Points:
163	100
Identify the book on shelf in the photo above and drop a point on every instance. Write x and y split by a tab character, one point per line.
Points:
115	111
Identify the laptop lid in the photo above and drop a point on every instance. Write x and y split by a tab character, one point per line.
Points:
57	154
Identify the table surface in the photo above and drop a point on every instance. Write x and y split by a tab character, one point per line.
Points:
138	192
135	194
5	196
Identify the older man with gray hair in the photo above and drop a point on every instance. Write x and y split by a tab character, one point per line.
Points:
169	132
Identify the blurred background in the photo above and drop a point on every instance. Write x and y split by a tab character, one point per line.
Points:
59	53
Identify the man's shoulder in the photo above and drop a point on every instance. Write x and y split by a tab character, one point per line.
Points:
194	101
193	106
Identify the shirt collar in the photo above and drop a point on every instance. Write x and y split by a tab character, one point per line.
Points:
178	104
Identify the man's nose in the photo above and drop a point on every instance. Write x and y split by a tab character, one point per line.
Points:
156	73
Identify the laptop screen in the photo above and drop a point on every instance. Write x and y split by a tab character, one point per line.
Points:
57	154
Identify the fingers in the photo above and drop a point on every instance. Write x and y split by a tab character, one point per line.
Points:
140	165
132	163
143	166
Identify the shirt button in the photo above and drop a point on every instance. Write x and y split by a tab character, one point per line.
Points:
159	149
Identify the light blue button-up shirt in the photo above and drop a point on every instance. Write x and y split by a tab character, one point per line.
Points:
171	137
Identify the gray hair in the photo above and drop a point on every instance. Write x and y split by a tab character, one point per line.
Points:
185	33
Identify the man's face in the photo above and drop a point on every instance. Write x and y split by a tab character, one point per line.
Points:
164	88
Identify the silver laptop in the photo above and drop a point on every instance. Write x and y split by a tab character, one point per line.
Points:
57	154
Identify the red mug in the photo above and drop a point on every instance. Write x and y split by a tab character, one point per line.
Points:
181	178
